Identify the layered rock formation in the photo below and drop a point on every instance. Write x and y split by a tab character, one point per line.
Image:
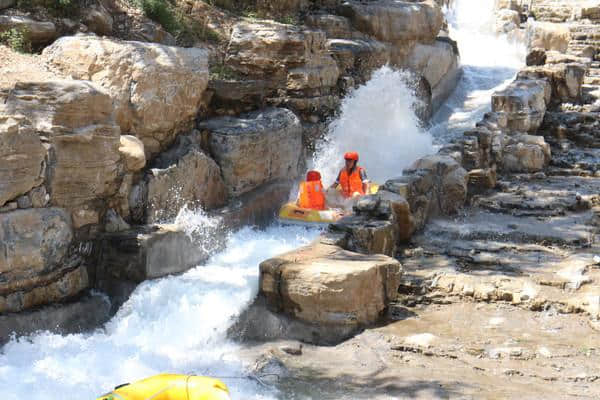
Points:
157	89
99	141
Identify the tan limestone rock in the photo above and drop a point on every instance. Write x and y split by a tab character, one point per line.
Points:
566	79
526	153
98	20
522	105
284	54
255	148
21	158
433	61
392	21
67	285
323	284
132	150
76	121
334	26
35	243
37	32
548	36
194	180
157	89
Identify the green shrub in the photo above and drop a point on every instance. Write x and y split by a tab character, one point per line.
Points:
162	12
59	8
16	39
288	19
224	72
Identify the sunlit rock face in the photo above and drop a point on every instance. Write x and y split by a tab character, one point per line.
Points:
157	89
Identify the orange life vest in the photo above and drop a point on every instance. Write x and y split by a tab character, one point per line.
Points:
311	195
351	183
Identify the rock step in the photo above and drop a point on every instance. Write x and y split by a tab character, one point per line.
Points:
549	196
569	230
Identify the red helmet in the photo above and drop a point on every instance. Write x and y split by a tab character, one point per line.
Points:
351	155
313	176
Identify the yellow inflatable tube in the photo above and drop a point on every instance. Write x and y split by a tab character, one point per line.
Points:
171	387
292	213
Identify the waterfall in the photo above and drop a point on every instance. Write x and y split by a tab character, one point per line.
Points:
489	60
175	324
376	120
178	324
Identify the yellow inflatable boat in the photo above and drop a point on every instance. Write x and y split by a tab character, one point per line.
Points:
291	213
171	387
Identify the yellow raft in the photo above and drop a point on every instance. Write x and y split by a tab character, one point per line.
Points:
171	387
292	213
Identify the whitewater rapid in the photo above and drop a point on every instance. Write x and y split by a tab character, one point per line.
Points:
489	62
175	324
178	324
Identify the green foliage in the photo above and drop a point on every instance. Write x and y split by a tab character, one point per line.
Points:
59	8
288	19
224	73
16	39
162	12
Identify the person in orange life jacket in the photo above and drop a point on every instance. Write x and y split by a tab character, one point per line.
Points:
352	178
311	193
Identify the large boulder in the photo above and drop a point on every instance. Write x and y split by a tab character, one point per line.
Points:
433	61
521	106
286	55
450	182
392	20
255	148
98	20
152	251
434	185
35	267
367	235
439	64
21	159
359	57
380	223
36	31
157	89
526	153
324	284
183	176
75	120
548	36
566	79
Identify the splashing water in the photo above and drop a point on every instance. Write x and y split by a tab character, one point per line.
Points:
176	324
376	120
201	228
489	60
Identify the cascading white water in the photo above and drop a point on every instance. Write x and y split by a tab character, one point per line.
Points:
177	324
376	120
489	61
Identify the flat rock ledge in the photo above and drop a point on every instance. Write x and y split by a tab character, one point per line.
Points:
328	293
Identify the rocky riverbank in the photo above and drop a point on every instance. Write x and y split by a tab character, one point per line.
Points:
503	298
112	128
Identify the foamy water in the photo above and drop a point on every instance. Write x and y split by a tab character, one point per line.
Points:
376	120
489	61
176	324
